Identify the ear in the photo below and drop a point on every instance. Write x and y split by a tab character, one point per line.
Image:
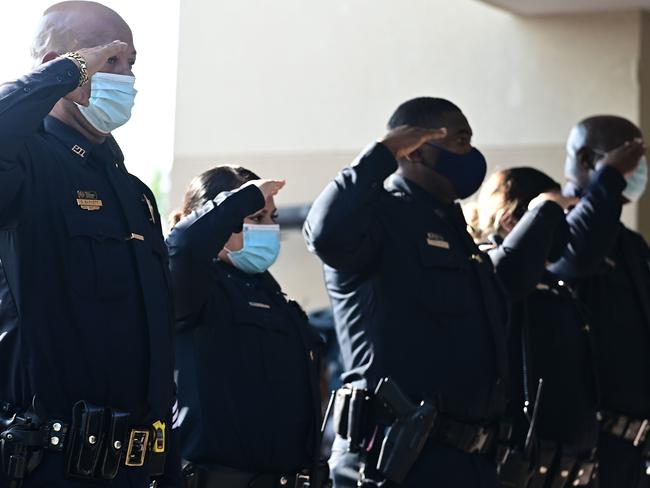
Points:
507	222
585	158
49	56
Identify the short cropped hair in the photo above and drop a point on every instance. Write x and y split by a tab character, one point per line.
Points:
424	112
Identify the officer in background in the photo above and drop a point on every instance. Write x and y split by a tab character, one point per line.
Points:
414	300
554	396
86	363
615	290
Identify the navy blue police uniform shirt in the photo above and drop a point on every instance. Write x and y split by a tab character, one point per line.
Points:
615	291
412	295
247	360
84	263
558	347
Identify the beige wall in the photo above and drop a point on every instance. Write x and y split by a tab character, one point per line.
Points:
294	89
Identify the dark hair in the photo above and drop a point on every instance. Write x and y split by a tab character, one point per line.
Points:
508	190
208	185
425	112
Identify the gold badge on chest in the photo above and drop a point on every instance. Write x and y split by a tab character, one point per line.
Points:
88	200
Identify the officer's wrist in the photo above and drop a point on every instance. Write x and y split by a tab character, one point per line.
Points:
80	61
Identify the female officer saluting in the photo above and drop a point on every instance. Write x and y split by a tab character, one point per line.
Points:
549	340
247	360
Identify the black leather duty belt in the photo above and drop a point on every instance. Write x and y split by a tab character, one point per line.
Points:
357	410
97	442
212	476
636	431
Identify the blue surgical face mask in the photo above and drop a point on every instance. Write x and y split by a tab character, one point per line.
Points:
261	248
637	181
111	100
465	172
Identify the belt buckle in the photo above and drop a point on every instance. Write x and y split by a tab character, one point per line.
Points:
137	450
303	481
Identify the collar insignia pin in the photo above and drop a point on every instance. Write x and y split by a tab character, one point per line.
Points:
79	151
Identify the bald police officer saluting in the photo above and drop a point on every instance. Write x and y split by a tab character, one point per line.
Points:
86	374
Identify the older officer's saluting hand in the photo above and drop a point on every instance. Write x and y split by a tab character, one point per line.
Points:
86	355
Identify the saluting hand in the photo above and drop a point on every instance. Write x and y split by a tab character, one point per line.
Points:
269	188
403	140
626	157
96	57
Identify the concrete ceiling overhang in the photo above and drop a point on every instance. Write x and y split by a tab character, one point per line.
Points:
552	7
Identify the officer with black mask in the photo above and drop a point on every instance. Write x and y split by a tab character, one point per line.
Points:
416	301
616	290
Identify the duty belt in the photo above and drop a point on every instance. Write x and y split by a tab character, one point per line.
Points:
96	443
470	438
636	431
212	476
387	426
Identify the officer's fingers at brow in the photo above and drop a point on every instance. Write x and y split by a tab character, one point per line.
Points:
114	47
435	134
277	186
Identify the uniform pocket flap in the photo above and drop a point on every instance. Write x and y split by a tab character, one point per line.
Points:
439	257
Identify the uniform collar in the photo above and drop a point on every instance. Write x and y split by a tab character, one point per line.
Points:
77	144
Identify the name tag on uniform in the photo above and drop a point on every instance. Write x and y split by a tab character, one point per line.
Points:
88	200
436	240
259	305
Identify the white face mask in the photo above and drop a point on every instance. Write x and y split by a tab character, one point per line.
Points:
637	181
111	100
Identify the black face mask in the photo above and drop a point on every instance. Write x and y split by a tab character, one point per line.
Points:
465	172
